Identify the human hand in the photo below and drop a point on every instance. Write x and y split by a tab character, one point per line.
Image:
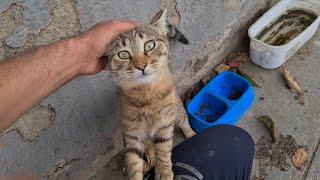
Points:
92	44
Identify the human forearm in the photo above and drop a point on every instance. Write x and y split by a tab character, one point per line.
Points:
27	79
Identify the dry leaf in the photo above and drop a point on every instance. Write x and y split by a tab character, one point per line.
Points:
299	157
268	122
234	64
221	68
293	84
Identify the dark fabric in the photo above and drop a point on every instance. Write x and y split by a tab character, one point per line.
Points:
222	152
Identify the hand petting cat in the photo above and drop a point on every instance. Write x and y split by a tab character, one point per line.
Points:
26	79
96	41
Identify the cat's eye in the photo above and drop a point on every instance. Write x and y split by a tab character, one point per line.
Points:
124	55
148	46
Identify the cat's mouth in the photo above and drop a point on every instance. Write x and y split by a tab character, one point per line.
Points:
145	77
145	73
142	76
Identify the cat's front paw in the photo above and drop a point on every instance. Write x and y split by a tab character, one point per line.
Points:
190	134
151	155
166	174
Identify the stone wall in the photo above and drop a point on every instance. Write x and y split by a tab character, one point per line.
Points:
73	133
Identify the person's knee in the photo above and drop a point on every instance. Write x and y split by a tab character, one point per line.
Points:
232	137
229	150
243	139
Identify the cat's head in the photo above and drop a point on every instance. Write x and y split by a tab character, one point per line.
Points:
141	55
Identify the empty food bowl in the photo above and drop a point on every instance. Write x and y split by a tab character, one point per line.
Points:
222	101
281	31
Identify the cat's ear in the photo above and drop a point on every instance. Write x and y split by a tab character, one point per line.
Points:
160	20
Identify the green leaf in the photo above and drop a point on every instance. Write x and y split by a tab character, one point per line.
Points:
246	76
268	122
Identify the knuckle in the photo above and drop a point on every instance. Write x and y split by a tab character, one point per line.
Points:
114	22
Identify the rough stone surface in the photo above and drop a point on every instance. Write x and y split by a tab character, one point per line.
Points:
85	134
10	19
35	16
30	125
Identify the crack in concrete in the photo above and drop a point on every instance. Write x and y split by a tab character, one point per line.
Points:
311	160
59	168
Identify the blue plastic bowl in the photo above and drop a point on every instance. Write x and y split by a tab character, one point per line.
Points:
224	100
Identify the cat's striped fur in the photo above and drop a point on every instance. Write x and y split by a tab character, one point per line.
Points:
147	101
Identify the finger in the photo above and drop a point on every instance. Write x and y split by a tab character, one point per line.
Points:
117	27
122	26
104	32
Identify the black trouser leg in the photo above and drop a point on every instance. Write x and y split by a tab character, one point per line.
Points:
219	153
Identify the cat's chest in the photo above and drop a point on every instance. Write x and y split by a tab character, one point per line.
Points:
156	113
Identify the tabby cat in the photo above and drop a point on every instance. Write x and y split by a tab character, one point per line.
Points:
147	101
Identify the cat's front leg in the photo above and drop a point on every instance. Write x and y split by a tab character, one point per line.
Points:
184	125
182	120
134	149
163	148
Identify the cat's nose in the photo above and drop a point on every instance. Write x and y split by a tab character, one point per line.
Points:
141	66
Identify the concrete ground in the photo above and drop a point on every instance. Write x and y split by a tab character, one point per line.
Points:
73	133
302	122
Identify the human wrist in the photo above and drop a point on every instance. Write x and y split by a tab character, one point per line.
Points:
77	55
62	62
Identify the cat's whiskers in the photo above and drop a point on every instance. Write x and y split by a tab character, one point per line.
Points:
131	72
154	65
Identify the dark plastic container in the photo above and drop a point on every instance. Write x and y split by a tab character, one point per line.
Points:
224	100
